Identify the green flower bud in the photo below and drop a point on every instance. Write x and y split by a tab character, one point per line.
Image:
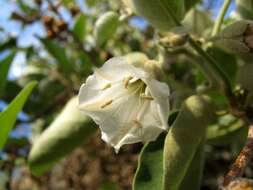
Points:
158	13
237	37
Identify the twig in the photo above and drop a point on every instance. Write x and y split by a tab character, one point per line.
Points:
242	160
219	21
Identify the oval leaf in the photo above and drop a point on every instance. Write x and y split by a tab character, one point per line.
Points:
79	27
149	174
184	138
160	13
193	176
58	53
4	68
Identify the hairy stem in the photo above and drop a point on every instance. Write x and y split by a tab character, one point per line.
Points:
219	21
242	160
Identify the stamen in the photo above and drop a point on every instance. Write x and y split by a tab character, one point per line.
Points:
126	81
106	86
106	104
147	97
137	123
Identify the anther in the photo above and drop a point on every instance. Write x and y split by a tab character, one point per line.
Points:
147	97
106	86
106	104
126	81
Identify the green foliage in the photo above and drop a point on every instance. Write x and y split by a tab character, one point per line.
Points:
190	4
232	37
227	61
178	164
79	29
4	68
193	176
9	115
10	43
149	174
226	130
69	130
105	27
77	47
59	54
160	13
245	77
181	144
109	186
245	9
198	22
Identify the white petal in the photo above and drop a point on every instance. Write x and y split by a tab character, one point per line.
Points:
160	92
117	68
112	97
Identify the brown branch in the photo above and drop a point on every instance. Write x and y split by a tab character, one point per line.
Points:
242	160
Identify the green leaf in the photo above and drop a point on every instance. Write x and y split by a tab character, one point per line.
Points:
245	9
227	61
160	13
92	3
232	37
190	3
9	115
67	2
197	22
58	53
86	63
69	130
183	139
105	27
194	174
4	68
149	174
225	131
109	186
245	78
79	27
10	43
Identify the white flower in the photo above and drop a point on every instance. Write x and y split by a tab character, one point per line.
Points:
127	103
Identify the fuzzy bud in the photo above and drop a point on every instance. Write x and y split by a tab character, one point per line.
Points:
237	37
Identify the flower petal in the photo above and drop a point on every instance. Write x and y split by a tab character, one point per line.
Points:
114	98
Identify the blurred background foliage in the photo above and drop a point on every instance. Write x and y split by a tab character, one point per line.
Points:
56	44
